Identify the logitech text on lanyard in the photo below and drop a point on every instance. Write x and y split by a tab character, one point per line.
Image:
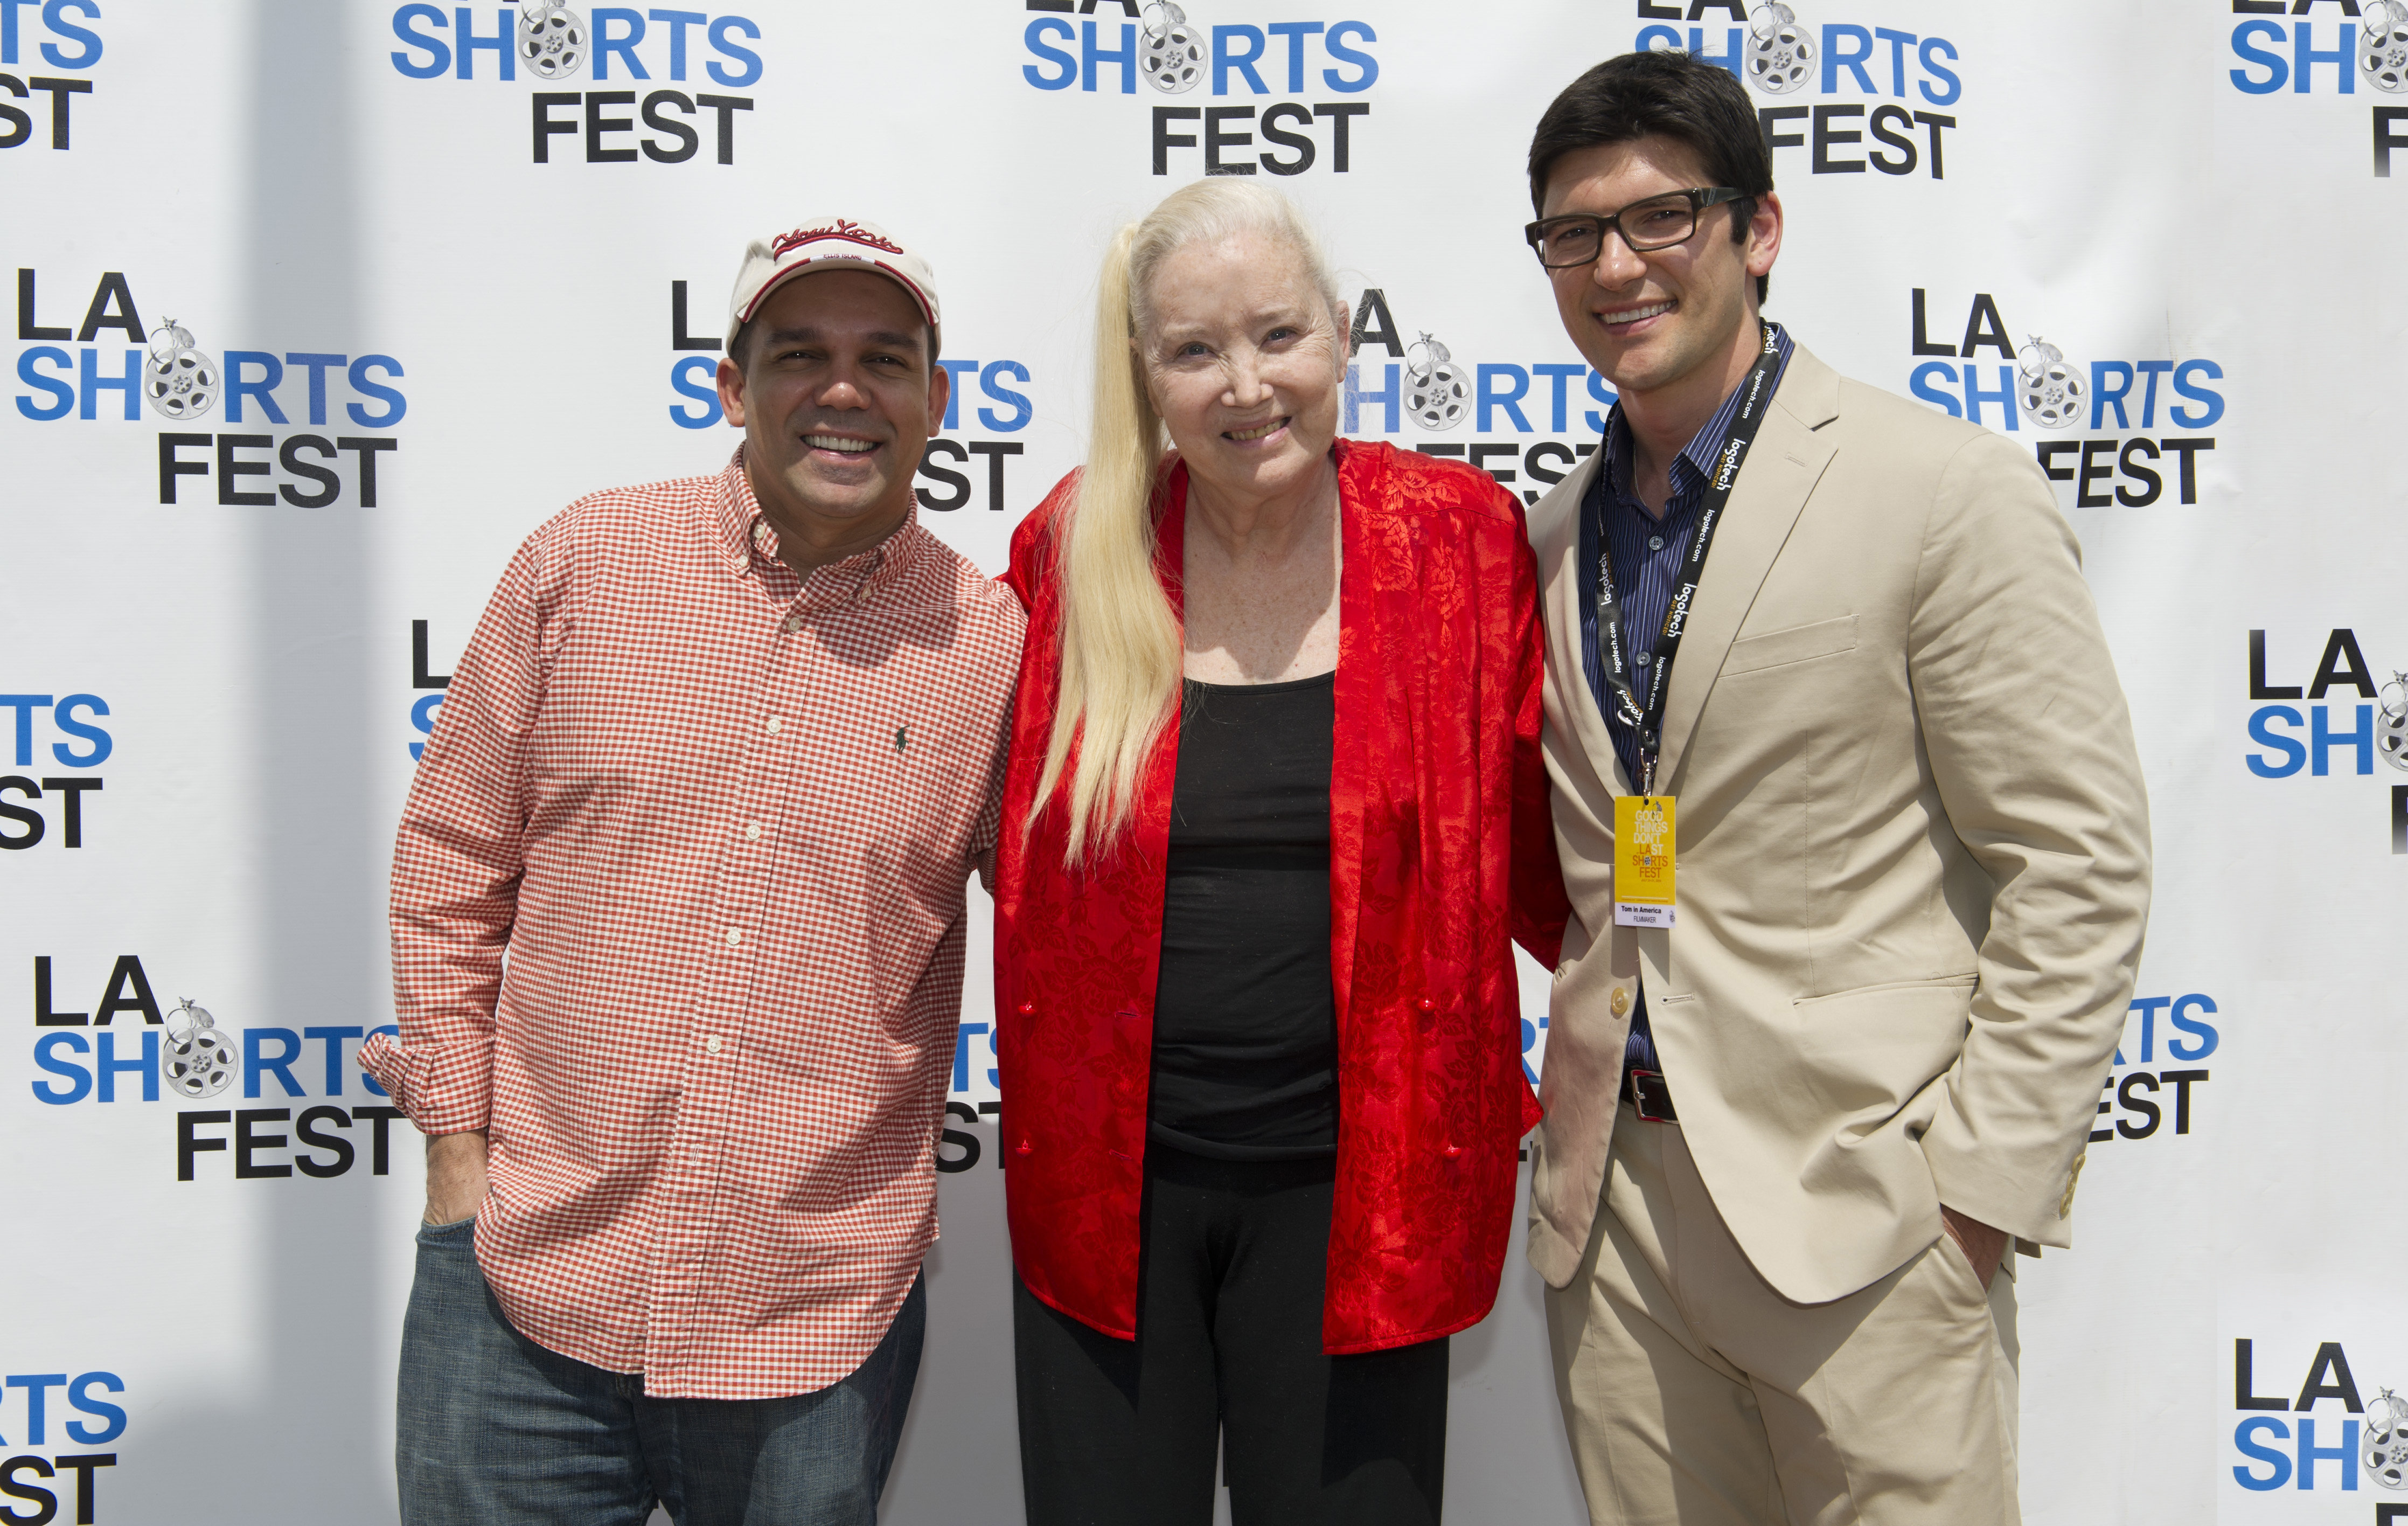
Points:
1755	396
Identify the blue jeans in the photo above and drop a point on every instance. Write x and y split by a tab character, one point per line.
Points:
496	1430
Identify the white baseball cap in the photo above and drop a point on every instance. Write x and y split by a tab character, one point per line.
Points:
830	241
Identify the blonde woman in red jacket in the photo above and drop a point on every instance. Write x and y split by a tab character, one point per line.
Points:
1275	814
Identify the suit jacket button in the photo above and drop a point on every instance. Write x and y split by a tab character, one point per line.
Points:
1426	1005
1022	1148
1028	1009
1451	1151
1621	1002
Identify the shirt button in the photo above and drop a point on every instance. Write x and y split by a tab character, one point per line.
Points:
752	831
776	726
794	622
735	936
1654	542
712	1044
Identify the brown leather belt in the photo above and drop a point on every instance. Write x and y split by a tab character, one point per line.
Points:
1645	1090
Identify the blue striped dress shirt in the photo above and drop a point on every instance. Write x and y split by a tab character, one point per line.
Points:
1646	554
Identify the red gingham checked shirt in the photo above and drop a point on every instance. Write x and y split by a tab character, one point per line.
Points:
722	821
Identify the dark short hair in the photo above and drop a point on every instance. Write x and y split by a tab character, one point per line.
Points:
1661	94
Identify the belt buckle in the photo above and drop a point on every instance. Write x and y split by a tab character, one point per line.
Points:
1650	1096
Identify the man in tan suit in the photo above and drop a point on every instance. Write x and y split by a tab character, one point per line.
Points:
1793	1119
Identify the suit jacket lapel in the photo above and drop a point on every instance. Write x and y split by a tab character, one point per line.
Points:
1774	481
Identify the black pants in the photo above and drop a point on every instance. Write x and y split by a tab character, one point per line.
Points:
1229	1350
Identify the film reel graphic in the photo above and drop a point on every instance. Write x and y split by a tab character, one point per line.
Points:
1779	53
1436	394
2050	392
552	39
2386	1454
2382	46
2391	731
1172	59
195	1060
181	381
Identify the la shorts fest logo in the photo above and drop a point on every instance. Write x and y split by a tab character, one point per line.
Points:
554	44
1867	99
1530	422
63	1414
171	370
2301	729
124	1042
57	38
61	735
2139	422
123	1046
2330	1435
2157	1083
1204	54
2297	56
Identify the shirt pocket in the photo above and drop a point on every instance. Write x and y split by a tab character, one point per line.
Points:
1799	643
903	788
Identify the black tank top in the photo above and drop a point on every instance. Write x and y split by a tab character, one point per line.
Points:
1245	1034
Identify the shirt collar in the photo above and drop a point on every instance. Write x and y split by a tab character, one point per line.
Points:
1696	456
749	542
1689	467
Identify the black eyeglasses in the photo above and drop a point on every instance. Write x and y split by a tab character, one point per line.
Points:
1656	222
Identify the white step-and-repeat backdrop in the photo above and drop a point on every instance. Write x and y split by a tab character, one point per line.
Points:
319	307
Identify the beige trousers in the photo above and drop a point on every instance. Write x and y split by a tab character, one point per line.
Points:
1696	1395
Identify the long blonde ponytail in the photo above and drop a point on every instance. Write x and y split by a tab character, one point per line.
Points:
1120	655
1121	646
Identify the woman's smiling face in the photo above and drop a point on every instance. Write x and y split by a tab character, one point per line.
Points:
1242	356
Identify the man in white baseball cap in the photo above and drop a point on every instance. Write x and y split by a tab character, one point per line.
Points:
713	773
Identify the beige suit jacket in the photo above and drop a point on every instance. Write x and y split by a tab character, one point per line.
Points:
1914	854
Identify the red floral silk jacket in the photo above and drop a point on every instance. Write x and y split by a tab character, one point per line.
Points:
1440	849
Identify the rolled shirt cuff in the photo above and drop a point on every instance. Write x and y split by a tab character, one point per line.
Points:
445	1088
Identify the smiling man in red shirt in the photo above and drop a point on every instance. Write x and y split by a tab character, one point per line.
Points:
712	772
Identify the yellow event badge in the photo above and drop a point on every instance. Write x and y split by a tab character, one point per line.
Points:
1643	861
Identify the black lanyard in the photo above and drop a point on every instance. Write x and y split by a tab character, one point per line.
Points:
1648	719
